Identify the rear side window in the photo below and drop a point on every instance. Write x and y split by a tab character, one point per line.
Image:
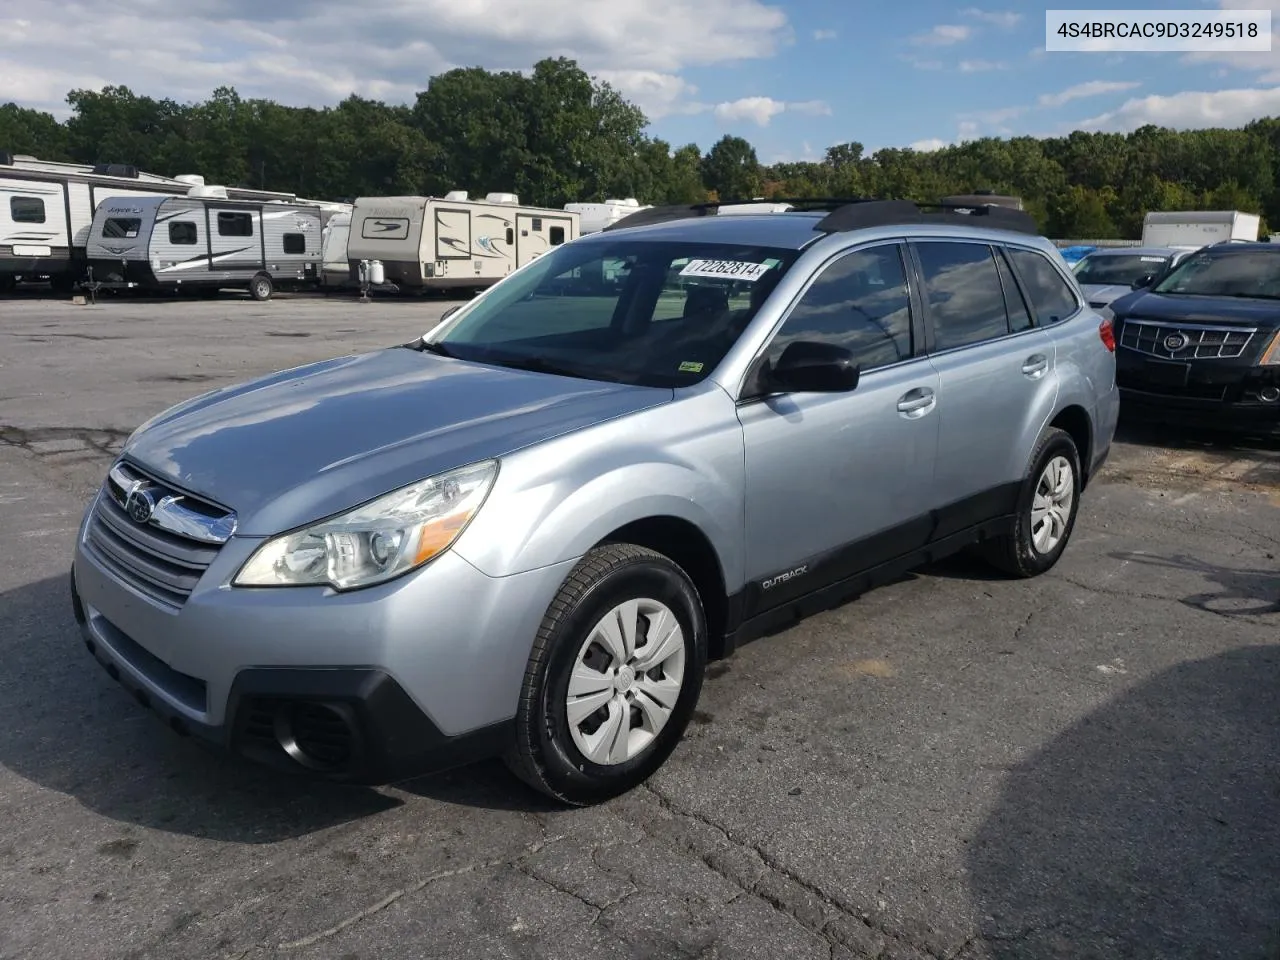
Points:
1015	305
235	225
121	228
1051	297
861	303
26	209
183	232
962	286
295	243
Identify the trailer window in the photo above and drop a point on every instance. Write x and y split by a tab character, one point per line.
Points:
183	232
557	236
235	225
537	224
121	228
511	236
26	209
295	243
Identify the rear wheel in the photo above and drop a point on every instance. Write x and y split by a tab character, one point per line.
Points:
260	287
614	675
1047	510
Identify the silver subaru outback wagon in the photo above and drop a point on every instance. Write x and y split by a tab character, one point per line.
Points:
525	533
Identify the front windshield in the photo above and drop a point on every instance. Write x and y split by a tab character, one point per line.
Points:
1226	273
1126	269
652	313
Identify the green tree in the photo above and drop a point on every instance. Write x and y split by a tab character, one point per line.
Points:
731	169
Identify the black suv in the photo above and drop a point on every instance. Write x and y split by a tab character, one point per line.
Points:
1202	345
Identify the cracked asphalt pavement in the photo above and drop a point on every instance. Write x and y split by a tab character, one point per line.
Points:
953	766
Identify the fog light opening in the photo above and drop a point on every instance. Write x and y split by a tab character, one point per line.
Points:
318	736
1270	394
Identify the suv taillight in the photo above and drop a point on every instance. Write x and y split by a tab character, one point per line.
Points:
1107	331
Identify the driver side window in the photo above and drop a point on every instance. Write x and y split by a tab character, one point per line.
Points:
861	303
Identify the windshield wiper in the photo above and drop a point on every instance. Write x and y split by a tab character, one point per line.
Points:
538	365
439	349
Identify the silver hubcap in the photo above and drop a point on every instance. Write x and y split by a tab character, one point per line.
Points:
1051	507
626	681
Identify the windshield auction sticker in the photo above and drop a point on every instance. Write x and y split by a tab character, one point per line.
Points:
731	269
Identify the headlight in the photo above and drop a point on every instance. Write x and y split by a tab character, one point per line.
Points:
1271	356
378	541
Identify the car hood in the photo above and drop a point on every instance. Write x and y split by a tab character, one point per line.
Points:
304	444
1104	293
1191	309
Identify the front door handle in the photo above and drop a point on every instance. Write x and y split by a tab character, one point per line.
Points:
914	404
1035	366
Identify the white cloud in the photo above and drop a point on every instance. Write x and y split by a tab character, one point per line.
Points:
313	52
824	34
1004	19
966	130
1092	88
930	145
657	94
924	64
761	110
1267	63
994	117
981	66
943	35
1190	110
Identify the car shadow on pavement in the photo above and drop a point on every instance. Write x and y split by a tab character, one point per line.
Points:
1150	829
1241	593
69	728
1175	436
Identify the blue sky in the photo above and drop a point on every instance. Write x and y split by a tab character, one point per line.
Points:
792	76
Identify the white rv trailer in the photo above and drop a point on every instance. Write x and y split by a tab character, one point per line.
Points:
594	217
448	242
334	266
1193	229
46	209
204	241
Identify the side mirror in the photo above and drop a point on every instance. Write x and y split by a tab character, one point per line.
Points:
1144	281
809	366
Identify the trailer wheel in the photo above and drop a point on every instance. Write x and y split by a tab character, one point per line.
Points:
260	287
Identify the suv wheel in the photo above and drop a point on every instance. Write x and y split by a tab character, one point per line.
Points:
612	680
1046	510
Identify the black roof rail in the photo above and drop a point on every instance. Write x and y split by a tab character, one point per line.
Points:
684	211
116	170
885	213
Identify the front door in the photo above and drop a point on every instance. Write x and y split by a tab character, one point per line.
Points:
235	241
997	379
837	483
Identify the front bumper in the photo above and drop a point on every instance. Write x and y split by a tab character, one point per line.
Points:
1219	395
372	686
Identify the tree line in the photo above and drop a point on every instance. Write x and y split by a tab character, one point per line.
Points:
556	135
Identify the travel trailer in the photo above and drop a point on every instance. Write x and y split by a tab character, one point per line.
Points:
335	270
594	217
1193	229
46	209
206	241
426	243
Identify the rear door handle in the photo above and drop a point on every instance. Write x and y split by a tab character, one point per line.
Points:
914	404
1035	366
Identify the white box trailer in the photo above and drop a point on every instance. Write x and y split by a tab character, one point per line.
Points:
1193	229
204	241
448	242
594	217
46	209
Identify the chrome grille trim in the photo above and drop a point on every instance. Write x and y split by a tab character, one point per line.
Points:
1202	341
164	557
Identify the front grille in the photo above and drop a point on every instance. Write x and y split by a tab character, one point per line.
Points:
165	556
1185	341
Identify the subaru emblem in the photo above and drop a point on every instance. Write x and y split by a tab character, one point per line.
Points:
139	504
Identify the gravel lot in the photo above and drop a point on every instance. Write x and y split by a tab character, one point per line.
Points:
1086	765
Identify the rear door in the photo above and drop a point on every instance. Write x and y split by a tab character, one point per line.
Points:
235	239
996	378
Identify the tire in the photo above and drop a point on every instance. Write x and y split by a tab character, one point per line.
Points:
547	753
1021	553
260	287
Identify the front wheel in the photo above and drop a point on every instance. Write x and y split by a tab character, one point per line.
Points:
1047	510
613	678
260	287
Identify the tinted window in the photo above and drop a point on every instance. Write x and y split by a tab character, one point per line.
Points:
295	243
1015	305
1051	296
235	225
1122	268
26	209
557	236
1225	272
182	232
121	228
963	288
859	302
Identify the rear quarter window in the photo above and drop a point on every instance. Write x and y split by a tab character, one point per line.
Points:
1052	299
